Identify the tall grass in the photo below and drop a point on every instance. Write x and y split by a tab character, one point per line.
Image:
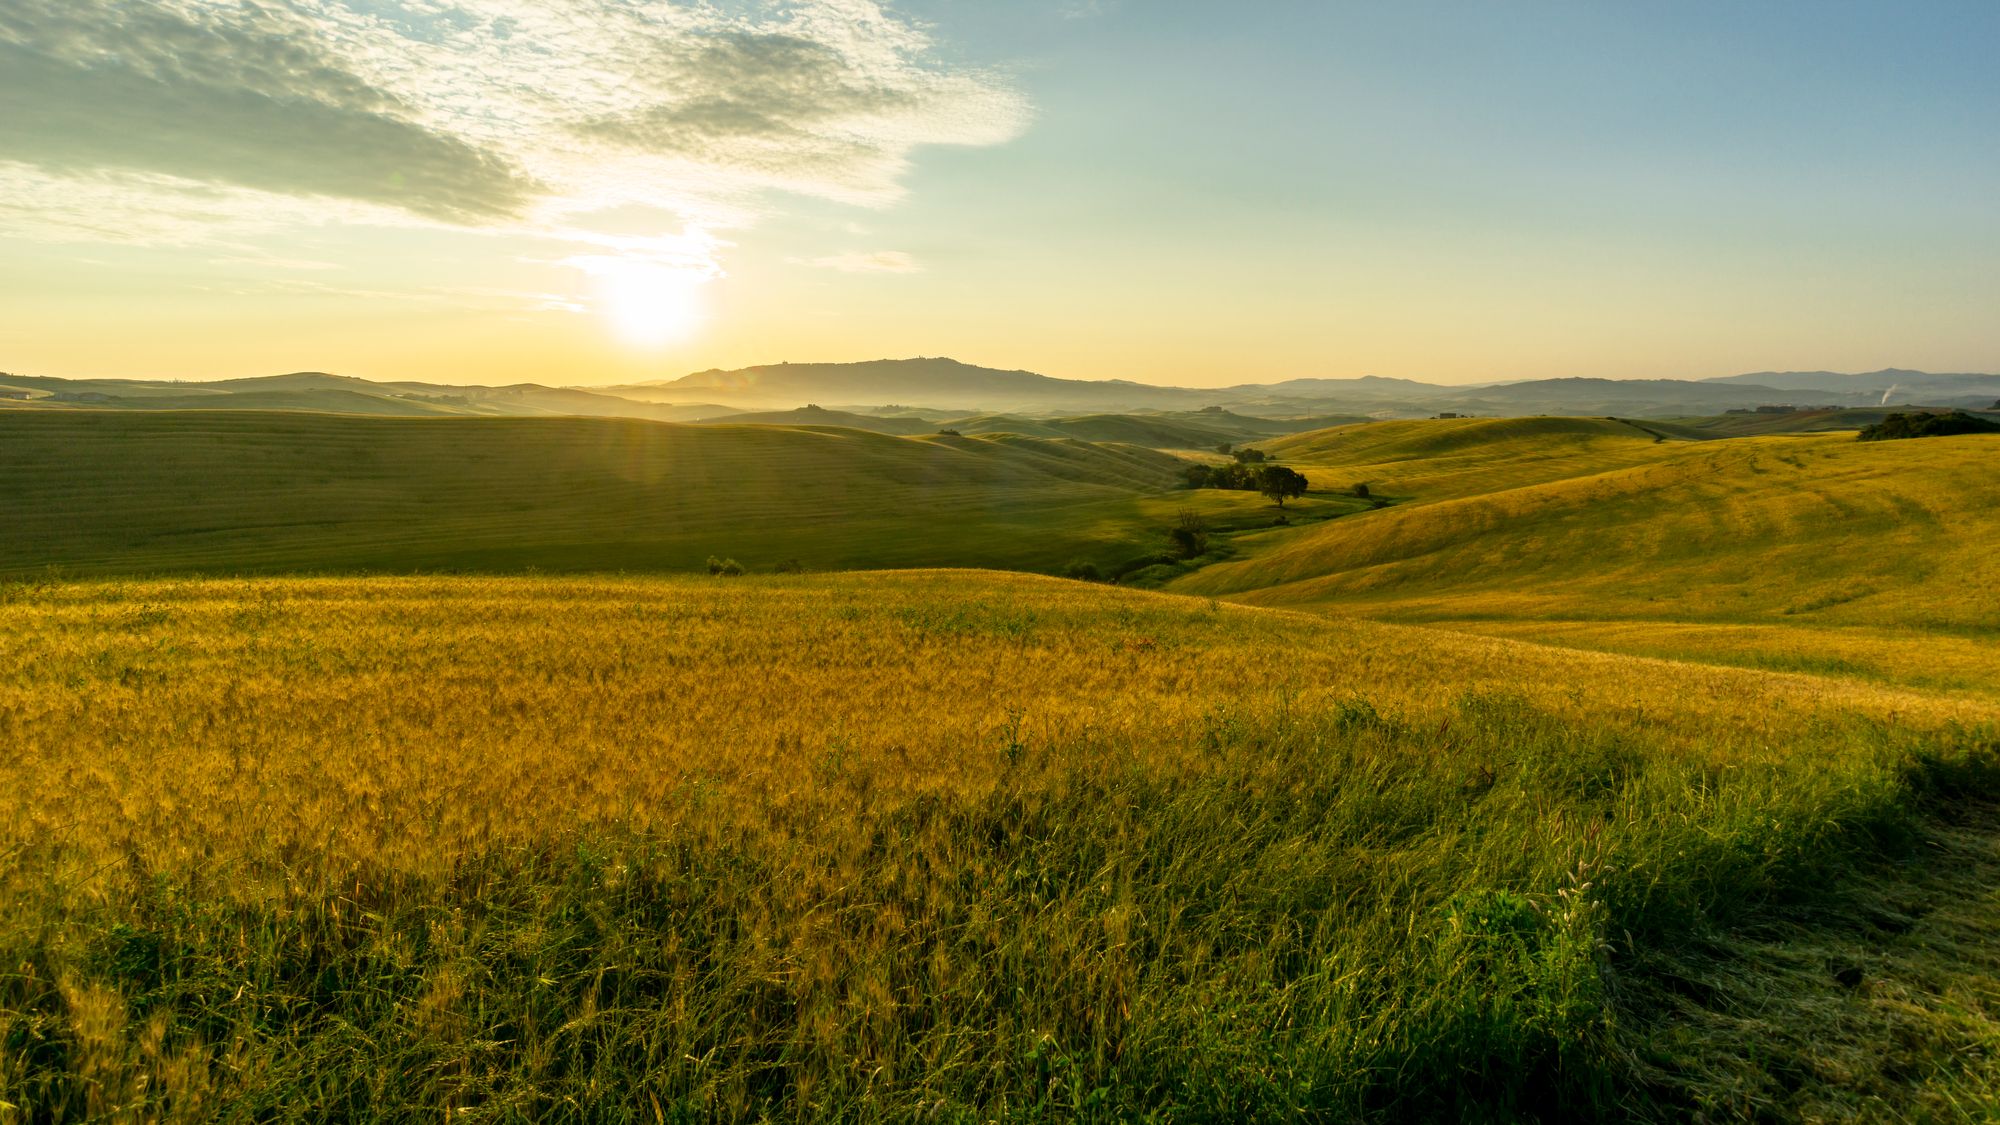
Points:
984	848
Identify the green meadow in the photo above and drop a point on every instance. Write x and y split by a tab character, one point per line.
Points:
405	768
244	492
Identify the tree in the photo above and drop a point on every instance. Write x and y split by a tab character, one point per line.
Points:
1250	456
1918	425
1280	483
1189	534
1361	492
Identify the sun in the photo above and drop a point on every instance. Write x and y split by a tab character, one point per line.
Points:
649	304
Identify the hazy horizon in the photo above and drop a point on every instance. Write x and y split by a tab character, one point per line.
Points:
1275	378
502	191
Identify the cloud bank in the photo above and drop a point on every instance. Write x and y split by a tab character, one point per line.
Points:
165	118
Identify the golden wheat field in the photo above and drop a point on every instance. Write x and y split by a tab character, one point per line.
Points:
943	844
405	720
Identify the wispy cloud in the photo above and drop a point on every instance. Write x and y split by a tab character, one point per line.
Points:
1087	9
159	121
879	261
242	95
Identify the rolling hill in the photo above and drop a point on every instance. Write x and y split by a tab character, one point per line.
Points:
1775	528
813	415
1795	422
1813	553
1439	459
338	394
243	491
1186	430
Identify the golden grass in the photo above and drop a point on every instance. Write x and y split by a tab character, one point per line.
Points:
1757	529
908	845
1429	460
405	721
1926	660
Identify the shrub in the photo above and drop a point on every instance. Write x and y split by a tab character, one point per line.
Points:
1361	491
1083	570
728	568
789	566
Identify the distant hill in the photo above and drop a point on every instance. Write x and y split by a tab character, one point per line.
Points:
1184	430
1644	397
1890	385
820	416
946	389
320	392
932	381
945	384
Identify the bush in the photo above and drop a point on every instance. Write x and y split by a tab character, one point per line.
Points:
948	432
1361	492
1083	570
728	568
789	566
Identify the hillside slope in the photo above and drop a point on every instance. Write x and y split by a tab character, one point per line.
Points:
1801	528
245	491
1431	460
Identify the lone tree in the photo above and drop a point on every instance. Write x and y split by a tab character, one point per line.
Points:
1189	533
1281	483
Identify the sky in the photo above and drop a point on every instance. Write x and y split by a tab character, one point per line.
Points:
580	192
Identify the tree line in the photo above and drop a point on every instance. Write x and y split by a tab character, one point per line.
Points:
1275	481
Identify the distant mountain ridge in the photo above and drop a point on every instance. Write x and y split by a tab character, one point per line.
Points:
939	383
938	388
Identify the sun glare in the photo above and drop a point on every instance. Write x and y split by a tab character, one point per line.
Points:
649	304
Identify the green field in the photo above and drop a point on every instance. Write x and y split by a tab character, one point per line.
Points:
1579	771
241	492
1805	553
